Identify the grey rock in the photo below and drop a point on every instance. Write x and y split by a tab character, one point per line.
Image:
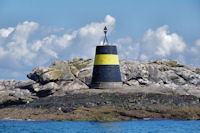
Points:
12	96
154	73
68	75
36	87
85	76
132	83
61	70
24	84
163	76
77	73
195	81
144	81
7	84
76	84
47	89
45	74
64	66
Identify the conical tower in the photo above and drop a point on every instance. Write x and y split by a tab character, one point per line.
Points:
106	70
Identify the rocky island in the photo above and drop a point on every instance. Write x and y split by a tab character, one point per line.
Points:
159	89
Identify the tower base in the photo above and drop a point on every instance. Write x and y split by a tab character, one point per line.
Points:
106	85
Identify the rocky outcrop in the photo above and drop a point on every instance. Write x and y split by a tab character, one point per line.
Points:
13	93
160	76
60	77
77	68
75	74
162	72
147	86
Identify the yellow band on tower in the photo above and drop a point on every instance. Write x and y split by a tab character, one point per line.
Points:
106	59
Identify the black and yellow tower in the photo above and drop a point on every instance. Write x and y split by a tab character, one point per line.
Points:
106	71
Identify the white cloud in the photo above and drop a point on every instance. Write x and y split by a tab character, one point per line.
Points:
36	45
80	42
50	30
197	42
19	51
14	51
155	44
6	32
127	48
23	31
191	54
95	29
161	43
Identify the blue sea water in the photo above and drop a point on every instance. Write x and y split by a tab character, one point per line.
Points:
150	126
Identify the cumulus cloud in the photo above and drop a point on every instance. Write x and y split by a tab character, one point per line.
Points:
79	43
159	44
6	32
19	52
14	49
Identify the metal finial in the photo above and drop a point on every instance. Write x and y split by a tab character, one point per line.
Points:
105	30
105	41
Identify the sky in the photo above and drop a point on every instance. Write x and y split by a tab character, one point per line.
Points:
35	33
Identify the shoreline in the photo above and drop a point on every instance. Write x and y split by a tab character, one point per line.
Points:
151	89
145	119
106	106
104	116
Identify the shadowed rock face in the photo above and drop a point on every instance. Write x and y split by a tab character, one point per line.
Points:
13	93
162	77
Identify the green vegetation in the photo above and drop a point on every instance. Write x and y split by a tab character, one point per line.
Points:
97	114
186	113
56	73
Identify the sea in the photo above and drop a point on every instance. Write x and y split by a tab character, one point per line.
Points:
139	126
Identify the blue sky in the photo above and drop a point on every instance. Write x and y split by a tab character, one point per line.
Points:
36	32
